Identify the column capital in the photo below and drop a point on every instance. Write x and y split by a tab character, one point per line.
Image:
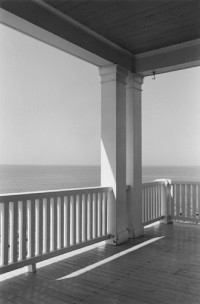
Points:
134	81
113	73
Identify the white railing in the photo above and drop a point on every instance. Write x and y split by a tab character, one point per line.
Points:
40	225
185	201
153	202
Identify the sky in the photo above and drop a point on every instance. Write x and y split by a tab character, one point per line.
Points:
50	109
171	119
49	104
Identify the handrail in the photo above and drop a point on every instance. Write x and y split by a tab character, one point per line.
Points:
35	226
153	183
41	194
186	182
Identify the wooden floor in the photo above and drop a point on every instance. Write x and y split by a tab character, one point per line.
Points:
165	271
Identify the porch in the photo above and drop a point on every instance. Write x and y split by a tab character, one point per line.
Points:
39	226
164	271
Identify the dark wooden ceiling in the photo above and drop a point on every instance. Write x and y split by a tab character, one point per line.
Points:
137	25
139	35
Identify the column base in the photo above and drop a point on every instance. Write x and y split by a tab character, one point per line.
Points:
118	238
167	220
134	233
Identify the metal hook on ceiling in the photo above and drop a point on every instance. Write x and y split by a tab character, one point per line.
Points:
154	75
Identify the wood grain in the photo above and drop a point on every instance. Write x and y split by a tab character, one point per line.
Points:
166	271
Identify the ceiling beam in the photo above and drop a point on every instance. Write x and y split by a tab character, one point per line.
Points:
36	32
39	20
44	16
176	57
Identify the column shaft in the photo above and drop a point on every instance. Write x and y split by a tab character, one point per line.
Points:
113	145
134	154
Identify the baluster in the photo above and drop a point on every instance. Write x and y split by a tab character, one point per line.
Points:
67	221
79	218
28	229
61	222
189	203
146	204
13	231
85	219
25	231
99	214
55	223
198	202
20	229
46	227
105	214
143	207
40	225
194	198
58	217
90	226
31	228
149	203
183	200
36	227
172	199
154	202
94	215
151	200
73	220
159	200
4	232
178	200
175	199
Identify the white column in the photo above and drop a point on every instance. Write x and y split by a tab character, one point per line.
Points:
113	147
134	154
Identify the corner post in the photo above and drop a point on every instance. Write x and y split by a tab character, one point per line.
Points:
134	154
166	201
113	146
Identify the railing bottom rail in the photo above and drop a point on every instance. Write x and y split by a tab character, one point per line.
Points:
153	221
52	254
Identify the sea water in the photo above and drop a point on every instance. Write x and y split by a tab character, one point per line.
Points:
16	179
175	173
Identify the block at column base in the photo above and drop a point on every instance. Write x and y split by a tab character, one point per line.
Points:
118	238
167	220
134	233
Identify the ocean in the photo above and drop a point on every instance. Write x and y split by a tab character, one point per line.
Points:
16	179
176	173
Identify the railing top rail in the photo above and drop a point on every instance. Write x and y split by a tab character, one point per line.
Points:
185	182
52	193
154	183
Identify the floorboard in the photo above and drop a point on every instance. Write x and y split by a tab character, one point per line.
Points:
166	271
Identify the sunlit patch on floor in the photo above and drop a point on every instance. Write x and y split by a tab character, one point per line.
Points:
153	224
109	259
44	263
